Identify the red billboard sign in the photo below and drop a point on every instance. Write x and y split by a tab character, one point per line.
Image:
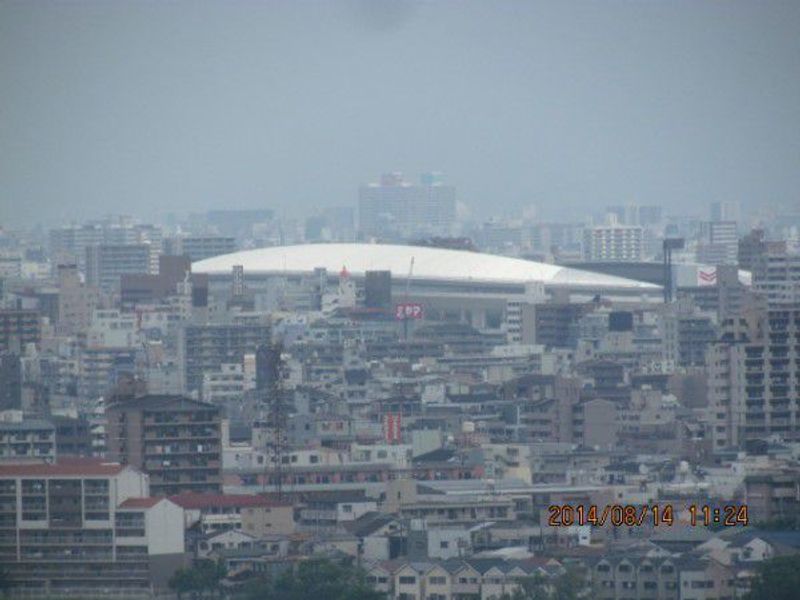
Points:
408	310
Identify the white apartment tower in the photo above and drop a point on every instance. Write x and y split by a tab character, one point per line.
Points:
613	243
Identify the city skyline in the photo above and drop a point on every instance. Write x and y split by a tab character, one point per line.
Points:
399	300
150	108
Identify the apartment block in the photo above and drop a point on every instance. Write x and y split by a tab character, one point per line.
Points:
754	377
206	348
175	440
85	526
107	263
26	439
613	243
200	247
18	328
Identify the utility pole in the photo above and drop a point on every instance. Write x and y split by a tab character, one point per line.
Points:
406	317
273	398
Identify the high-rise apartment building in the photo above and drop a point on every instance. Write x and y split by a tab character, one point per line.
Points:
100	368
24	439
687	333
206	348
81	526
776	273
751	246
754	376
398	208
613	243
175	440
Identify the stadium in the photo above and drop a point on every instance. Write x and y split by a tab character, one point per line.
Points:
451	285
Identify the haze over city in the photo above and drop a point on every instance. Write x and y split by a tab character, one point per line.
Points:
150	107
399	300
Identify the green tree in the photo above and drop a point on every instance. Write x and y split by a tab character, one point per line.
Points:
181	582
202	578
569	585
777	579
315	580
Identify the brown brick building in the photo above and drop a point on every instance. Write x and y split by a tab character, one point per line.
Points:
173	439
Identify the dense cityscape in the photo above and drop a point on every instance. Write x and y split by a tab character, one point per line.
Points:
449	405
329	301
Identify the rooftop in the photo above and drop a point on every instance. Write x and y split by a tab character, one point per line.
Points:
429	264
140	502
200	501
161	402
77	467
26	425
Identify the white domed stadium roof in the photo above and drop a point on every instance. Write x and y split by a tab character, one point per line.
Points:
429	264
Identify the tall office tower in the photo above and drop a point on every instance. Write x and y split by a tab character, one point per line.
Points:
776	273
751	247
199	247
106	263
397	208
205	348
725	211
175	440
613	243
76	301
754	376
76	527
720	244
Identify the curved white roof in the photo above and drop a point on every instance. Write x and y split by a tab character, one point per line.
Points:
429	263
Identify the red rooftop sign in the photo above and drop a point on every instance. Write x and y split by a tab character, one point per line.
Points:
408	310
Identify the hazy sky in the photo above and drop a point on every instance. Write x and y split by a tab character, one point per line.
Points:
150	107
